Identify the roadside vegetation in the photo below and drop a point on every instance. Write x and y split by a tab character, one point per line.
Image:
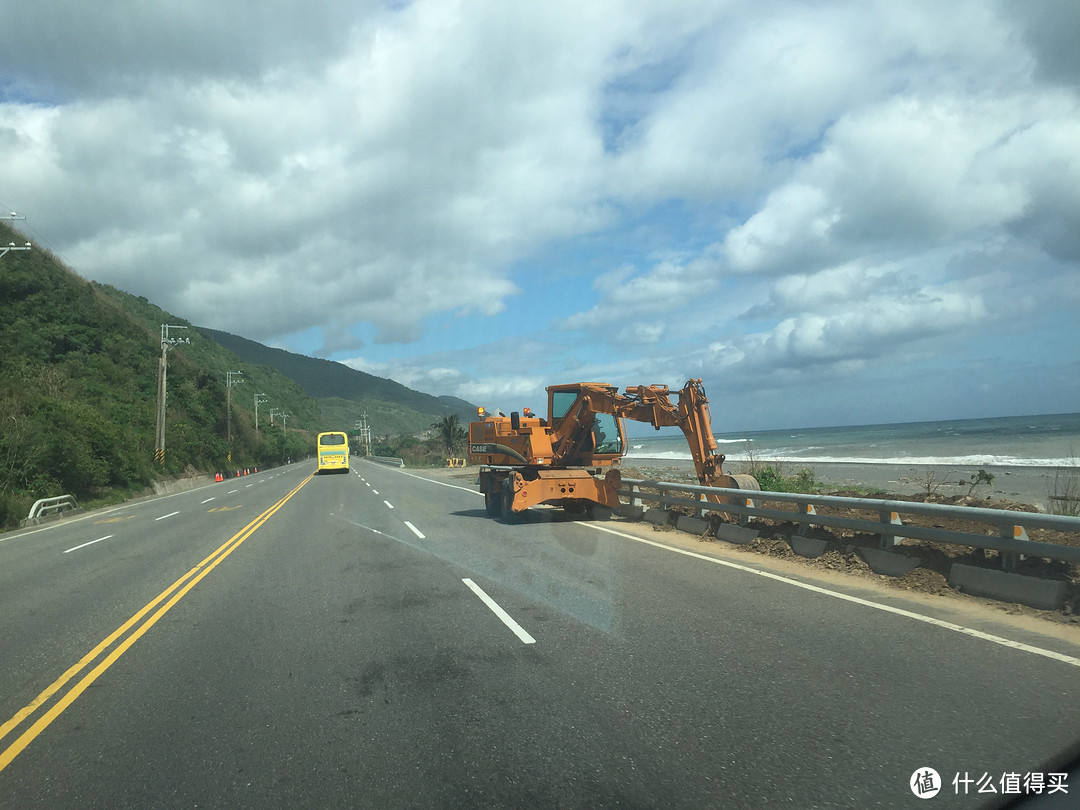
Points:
1065	491
78	393
445	439
772	477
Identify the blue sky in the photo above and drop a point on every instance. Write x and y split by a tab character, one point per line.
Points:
831	212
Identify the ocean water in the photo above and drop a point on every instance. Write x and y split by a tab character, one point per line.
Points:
1010	441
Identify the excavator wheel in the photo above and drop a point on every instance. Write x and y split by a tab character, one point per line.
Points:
508	513
493	503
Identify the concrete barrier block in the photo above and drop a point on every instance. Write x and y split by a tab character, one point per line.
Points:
692	525
631	512
1044	594
174	485
743	535
657	516
889	563
807	546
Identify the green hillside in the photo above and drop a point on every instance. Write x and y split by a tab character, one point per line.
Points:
345	394
281	392
79	382
78	393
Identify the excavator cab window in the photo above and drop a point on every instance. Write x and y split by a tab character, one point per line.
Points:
560	403
606	438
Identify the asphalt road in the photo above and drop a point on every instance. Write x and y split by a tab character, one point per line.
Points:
375	640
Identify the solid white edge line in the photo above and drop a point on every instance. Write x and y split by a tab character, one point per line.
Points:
472	490
84	545
519	631
958	628
168	515
415	530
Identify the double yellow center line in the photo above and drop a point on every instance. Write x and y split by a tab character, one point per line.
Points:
130	631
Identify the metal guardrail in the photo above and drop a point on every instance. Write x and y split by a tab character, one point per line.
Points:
49	506
1011	540
390	462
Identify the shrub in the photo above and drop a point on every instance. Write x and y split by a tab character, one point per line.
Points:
771	478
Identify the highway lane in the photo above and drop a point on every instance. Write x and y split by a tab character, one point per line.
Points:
337	658
65	586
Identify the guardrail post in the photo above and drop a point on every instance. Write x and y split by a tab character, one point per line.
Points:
744	519
1010	559
888	539
635	495
806	509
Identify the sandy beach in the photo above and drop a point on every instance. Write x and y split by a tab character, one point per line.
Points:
1031	485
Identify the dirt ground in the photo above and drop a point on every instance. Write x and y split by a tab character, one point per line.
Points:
841	554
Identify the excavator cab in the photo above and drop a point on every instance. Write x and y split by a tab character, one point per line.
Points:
591	437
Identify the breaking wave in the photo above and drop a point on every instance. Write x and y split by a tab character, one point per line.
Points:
764	457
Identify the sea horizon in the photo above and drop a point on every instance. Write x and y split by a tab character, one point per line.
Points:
1036	440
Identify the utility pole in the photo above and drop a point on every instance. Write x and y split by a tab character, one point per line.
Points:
364	434
257	401
11	245
274	412
284	439
167	343
231	379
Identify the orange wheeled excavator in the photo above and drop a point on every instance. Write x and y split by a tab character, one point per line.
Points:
526	460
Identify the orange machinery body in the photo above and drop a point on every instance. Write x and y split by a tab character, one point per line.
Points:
526	460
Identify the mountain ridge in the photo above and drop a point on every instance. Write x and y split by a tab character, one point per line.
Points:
329	379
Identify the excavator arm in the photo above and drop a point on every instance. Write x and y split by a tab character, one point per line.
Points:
650	404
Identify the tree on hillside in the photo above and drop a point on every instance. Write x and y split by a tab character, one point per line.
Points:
450	433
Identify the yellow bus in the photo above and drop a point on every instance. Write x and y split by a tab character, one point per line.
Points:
332	449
